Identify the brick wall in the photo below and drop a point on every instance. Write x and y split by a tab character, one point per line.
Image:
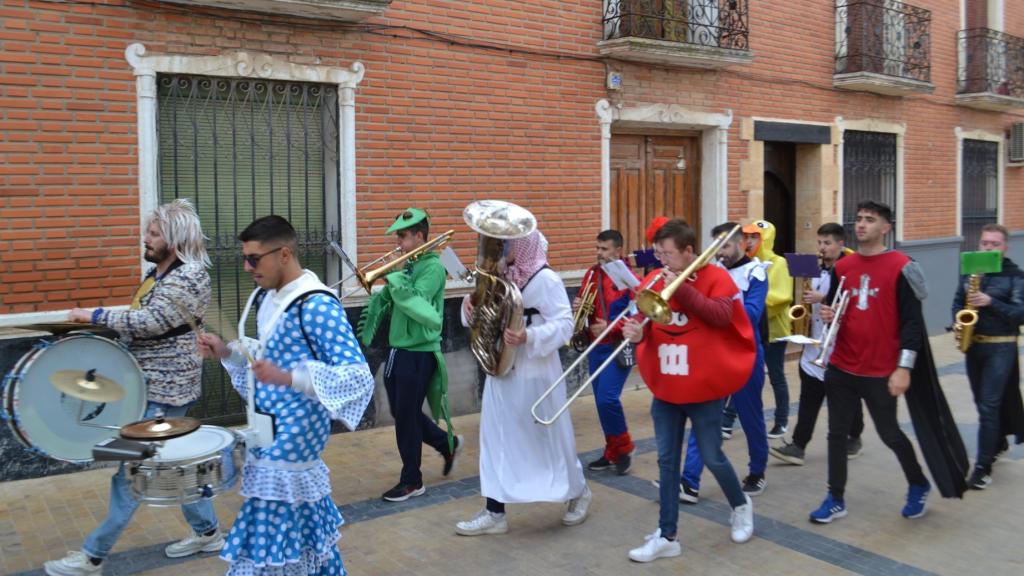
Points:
439	123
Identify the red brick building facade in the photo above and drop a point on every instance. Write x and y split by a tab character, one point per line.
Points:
591	114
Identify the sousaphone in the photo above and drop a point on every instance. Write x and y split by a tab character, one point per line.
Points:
497	303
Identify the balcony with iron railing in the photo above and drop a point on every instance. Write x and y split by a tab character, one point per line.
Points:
991	70
883	46
686	33
342	10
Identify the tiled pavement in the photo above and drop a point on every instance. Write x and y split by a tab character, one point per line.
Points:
41	519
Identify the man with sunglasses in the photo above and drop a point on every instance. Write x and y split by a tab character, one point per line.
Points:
306	370
415	368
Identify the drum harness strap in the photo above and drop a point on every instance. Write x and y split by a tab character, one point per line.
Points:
300	301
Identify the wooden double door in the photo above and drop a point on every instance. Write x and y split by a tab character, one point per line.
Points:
654	175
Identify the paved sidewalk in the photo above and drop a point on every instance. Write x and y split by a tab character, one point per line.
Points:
41	519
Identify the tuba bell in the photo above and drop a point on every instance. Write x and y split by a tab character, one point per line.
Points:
497	303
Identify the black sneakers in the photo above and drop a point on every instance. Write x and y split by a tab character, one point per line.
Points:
979	480
402	492
601	463
449	459
624	464
788	453
754	484
778	431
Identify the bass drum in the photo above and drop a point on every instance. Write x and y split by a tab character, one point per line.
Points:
54	424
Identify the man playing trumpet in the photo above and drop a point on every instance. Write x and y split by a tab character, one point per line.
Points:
831	247
607	302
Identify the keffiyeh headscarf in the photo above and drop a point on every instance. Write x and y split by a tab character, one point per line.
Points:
531	254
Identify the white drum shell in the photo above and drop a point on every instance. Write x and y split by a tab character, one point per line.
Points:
198	465
45	420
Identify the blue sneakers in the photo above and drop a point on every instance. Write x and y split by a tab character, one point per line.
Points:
916	497
829	510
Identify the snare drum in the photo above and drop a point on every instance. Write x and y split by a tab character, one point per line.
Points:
187	469
44	419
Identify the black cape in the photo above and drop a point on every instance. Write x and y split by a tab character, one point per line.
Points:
936	431
1011	413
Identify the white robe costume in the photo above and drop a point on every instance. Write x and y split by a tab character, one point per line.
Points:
520	460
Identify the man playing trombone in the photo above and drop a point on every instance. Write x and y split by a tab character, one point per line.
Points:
414	298
682	363
607	302
750	277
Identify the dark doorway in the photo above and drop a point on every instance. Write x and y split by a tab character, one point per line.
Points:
780	193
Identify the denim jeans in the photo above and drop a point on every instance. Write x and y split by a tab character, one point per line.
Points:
775	361
989	367
669	423
200	515
748	404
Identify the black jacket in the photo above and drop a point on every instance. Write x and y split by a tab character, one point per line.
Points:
1006	313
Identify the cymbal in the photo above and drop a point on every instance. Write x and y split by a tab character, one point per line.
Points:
64	327
159	428
87	385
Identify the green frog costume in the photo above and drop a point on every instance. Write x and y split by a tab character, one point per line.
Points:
414	297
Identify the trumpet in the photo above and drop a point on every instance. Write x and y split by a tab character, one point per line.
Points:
368	279
800	314
828	339
654	307
367	266
587	296
967	317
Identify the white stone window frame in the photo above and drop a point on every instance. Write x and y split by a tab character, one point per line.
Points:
987	136
262	66
872	125
714	165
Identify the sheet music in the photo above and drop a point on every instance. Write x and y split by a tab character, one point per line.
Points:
620	274
453	265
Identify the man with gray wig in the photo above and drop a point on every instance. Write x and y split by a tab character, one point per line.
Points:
156	328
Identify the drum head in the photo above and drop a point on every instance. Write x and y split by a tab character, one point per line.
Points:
206	441
48	420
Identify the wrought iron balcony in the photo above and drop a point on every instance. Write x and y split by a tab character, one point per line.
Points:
689	33
883	46
344	10
991	71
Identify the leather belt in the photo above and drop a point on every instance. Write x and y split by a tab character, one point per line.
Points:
982	339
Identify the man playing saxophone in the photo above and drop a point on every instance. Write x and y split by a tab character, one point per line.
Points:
608	302
992	358
414	298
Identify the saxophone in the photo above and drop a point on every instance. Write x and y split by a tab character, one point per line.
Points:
497	303
800	314
966	318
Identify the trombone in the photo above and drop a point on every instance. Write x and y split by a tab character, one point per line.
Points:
368	279
653	305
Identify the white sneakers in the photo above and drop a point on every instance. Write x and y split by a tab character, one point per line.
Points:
74	564
194	544
576	511
742	520
655	547
485	522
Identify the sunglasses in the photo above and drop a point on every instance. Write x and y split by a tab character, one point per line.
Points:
253	260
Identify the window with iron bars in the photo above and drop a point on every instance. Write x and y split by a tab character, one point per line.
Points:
241	149
869	173
979	203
